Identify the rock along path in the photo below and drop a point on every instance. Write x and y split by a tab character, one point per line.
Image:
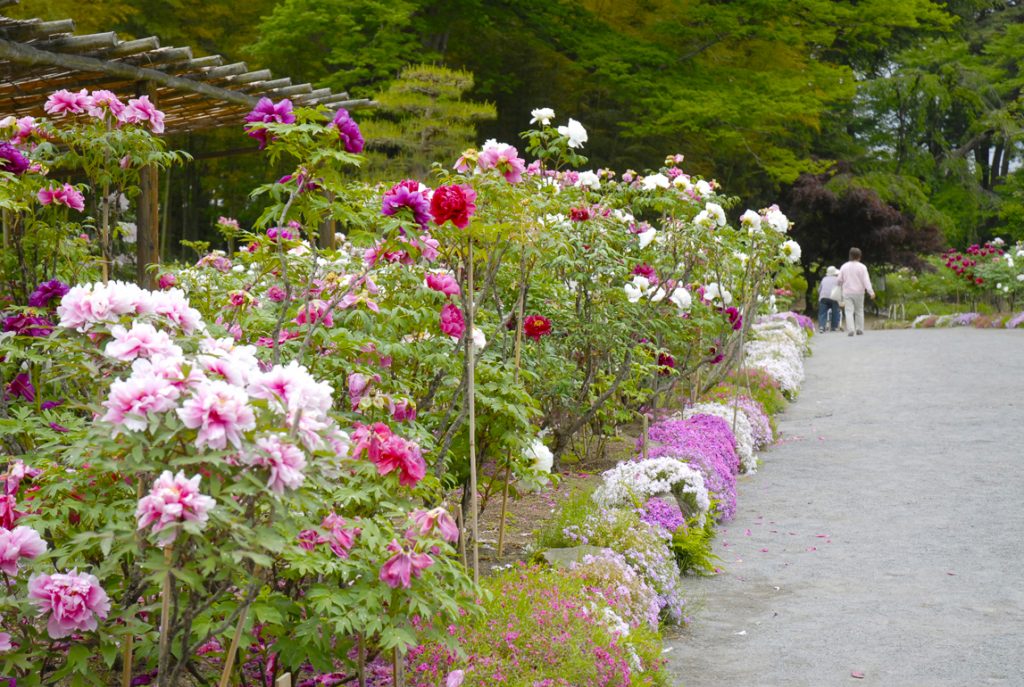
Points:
884	535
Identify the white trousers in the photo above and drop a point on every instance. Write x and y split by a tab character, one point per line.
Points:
854	311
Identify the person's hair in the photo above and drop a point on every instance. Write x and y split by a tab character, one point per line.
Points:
855	254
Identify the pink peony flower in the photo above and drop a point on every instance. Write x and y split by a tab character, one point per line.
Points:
308	539
316	311
455	203
143	340
276	294
389	452
173	306
131	400
408	194
220	412
5	642
64	101
142	110
21	542
402	410
455	678
505	159
172	500
405	564
445	283
102	101
285	461
452	322
62	195
9	513
427	520
166	280
358	384
339	538
74	601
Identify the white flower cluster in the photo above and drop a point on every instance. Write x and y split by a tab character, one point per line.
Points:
631	481
778	349
742	430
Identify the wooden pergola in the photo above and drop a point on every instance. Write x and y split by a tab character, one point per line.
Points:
195	93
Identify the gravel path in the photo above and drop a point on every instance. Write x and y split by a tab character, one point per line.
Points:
885	535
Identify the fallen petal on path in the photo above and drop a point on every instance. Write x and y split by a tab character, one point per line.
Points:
858	675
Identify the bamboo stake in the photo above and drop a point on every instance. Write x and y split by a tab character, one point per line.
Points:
229	660
126	670
520	308
361	660
645	437
471	393
284	681
398	670
163	658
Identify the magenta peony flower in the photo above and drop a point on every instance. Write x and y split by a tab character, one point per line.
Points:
21	387
275	233
308	539
647	272
389	452
28	325
9	513
74	601
220	412
348	131
536	326
405	564
505	159
285	461
142	110
402	410
445	283
408	194
316	311
455	203
131	400
452	322
427	520
339	538
64	101
266	111
735	318
580	214
172	500
143	340
358	384
21	542
276	294
12	160
166	280
62	195
102	101
666	363
47	292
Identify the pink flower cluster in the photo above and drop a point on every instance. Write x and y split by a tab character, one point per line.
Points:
389	452
20	542
283	459
99	103
66	195
85	307
173	499
499	156
74	601
143	340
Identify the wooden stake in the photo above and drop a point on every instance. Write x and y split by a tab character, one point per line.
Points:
284	681
164	656
361	660
229	660
126	670
645	437
520	307
398	670
471	393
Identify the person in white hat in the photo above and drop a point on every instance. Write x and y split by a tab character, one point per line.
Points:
828	306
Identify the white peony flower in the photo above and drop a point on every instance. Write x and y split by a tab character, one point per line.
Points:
575	132
713	292
791	251
540	456
637	289
776	220
658	295
542	115
715	210
479	340
682	181
751	220
129	232
654	181
647	236
590	179
703	188
681	297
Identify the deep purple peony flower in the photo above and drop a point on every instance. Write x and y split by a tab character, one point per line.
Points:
408	194
21	386
349	131
28	325
268	112
46	292
12	160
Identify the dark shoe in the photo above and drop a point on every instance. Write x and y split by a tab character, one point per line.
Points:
821	331
860	333
849	333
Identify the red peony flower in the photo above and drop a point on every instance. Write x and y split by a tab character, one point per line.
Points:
455	203
536	326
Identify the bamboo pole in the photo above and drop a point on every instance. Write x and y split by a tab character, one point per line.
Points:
229	660
398	669
645	437
126	669
163	658
361	660
520	308
471	393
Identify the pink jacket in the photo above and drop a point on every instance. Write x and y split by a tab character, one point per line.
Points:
853	277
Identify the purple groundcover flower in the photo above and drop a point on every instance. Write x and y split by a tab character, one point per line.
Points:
12	160
348	131
965	319
28	325
665	514
46	292
1015	321
408	194
706	443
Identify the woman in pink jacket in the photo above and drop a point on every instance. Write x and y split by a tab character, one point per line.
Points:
853	277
